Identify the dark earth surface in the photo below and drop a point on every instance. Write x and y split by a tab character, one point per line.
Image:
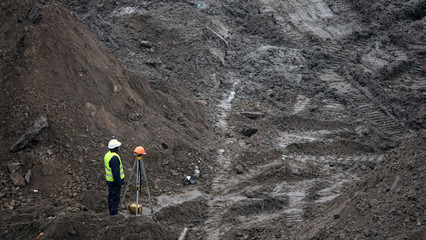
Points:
306	118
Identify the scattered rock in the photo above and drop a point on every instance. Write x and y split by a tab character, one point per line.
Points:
174	173
153	62
72	232
164	145
27	159
13	167
197	172
17	179
249	131
342	236
229	135
1	195
39	125
146	44
249	193
116	89
370	233
28	176
83	208
49	152
239	168
395	183
295	171
33	16
91	109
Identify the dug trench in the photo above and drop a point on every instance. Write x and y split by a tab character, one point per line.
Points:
306	120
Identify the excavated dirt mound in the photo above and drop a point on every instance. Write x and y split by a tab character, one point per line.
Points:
65	96
43	223
305	118
387	204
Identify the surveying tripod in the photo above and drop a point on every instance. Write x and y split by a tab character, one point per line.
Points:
140	170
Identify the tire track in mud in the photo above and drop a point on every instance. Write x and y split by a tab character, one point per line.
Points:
298	18
228	194
218	199
333	178
415	77
368	109
315	17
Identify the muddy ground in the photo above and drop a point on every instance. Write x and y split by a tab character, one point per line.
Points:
306	119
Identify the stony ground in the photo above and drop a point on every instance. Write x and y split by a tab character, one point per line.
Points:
306	119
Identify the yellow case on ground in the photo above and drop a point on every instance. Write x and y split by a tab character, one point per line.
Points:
132	208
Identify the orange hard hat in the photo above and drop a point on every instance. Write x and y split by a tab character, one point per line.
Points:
139	150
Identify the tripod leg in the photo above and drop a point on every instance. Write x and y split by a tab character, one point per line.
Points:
147	188
127	187
138	186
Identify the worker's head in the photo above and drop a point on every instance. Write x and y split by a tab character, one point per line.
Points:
114	145
139	151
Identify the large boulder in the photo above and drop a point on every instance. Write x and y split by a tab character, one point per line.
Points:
28	136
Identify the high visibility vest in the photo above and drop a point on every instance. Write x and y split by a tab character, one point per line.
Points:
108	172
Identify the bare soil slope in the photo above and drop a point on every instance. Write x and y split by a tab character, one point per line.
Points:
56	74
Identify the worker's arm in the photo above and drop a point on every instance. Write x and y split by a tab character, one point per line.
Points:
114	164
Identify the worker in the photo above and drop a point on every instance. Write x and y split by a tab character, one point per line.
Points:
114	174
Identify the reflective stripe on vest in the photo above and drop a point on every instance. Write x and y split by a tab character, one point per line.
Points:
108	173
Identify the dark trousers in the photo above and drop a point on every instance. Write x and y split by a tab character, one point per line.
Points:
113	197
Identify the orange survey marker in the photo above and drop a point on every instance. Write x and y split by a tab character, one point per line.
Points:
41	234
